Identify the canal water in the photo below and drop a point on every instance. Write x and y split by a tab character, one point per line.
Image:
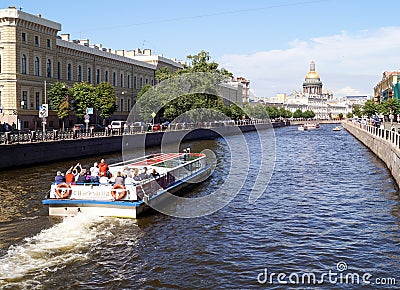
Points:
331	211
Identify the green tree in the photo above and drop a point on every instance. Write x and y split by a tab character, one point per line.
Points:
370	108
390	106
272	112
235	112
357	111
59	100
340	116
256	111
308	114
162	74
298	114
184	101
349	115
104	99
84	96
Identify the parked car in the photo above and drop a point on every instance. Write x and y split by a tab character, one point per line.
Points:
97	127
78	127
165	125
153	127
117	125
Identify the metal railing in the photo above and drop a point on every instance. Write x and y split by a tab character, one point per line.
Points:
392	136
54	135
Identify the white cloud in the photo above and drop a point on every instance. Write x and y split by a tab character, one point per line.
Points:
348	64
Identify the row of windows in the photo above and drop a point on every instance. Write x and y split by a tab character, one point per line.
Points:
24	38
37	101
34	104
79	76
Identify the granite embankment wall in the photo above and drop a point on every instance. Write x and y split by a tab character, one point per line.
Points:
28	154
384	143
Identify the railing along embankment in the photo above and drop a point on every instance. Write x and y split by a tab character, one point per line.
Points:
384	143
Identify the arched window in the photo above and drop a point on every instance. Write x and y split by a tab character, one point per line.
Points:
98	76
140	83
114	79
129	83
79	73
23	64
69	72
48	68
106	76
37	66
122	80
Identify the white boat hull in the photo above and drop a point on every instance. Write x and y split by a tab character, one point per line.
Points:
121	209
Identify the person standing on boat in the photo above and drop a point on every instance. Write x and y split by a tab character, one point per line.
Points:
69	177
103	168
94	173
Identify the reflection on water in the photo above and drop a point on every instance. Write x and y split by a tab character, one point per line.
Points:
329	200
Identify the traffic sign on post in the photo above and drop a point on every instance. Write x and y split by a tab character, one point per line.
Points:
44	111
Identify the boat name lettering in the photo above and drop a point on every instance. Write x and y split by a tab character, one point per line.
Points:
91	193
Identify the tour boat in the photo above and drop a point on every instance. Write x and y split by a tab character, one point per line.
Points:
176	172
301	128
309	126
337	128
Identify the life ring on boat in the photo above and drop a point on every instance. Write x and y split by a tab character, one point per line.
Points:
63	190
117	195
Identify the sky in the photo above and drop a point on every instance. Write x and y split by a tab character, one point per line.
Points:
269	42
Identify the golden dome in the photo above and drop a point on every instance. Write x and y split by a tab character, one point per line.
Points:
312	75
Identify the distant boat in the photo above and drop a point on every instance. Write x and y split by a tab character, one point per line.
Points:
301	128
309	126
337	128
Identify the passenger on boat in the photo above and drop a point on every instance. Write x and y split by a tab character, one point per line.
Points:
69	177
129	180
119	179
59	178
144	174
155	174
94	173
103	168
103	180
88	177
136	176
82	177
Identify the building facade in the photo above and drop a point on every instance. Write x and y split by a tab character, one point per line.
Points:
33	56
388	87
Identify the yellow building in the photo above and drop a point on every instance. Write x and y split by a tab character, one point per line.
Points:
387	88
33	55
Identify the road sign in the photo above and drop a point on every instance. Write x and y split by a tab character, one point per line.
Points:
153	114
87	117
89	111
44	111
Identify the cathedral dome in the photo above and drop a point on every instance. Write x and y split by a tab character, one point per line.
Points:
312	75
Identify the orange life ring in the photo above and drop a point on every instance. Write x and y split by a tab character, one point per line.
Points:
63	190
121	194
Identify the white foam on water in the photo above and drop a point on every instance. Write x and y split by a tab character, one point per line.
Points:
52	249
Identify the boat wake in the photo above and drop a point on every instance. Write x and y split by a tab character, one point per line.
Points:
52	250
